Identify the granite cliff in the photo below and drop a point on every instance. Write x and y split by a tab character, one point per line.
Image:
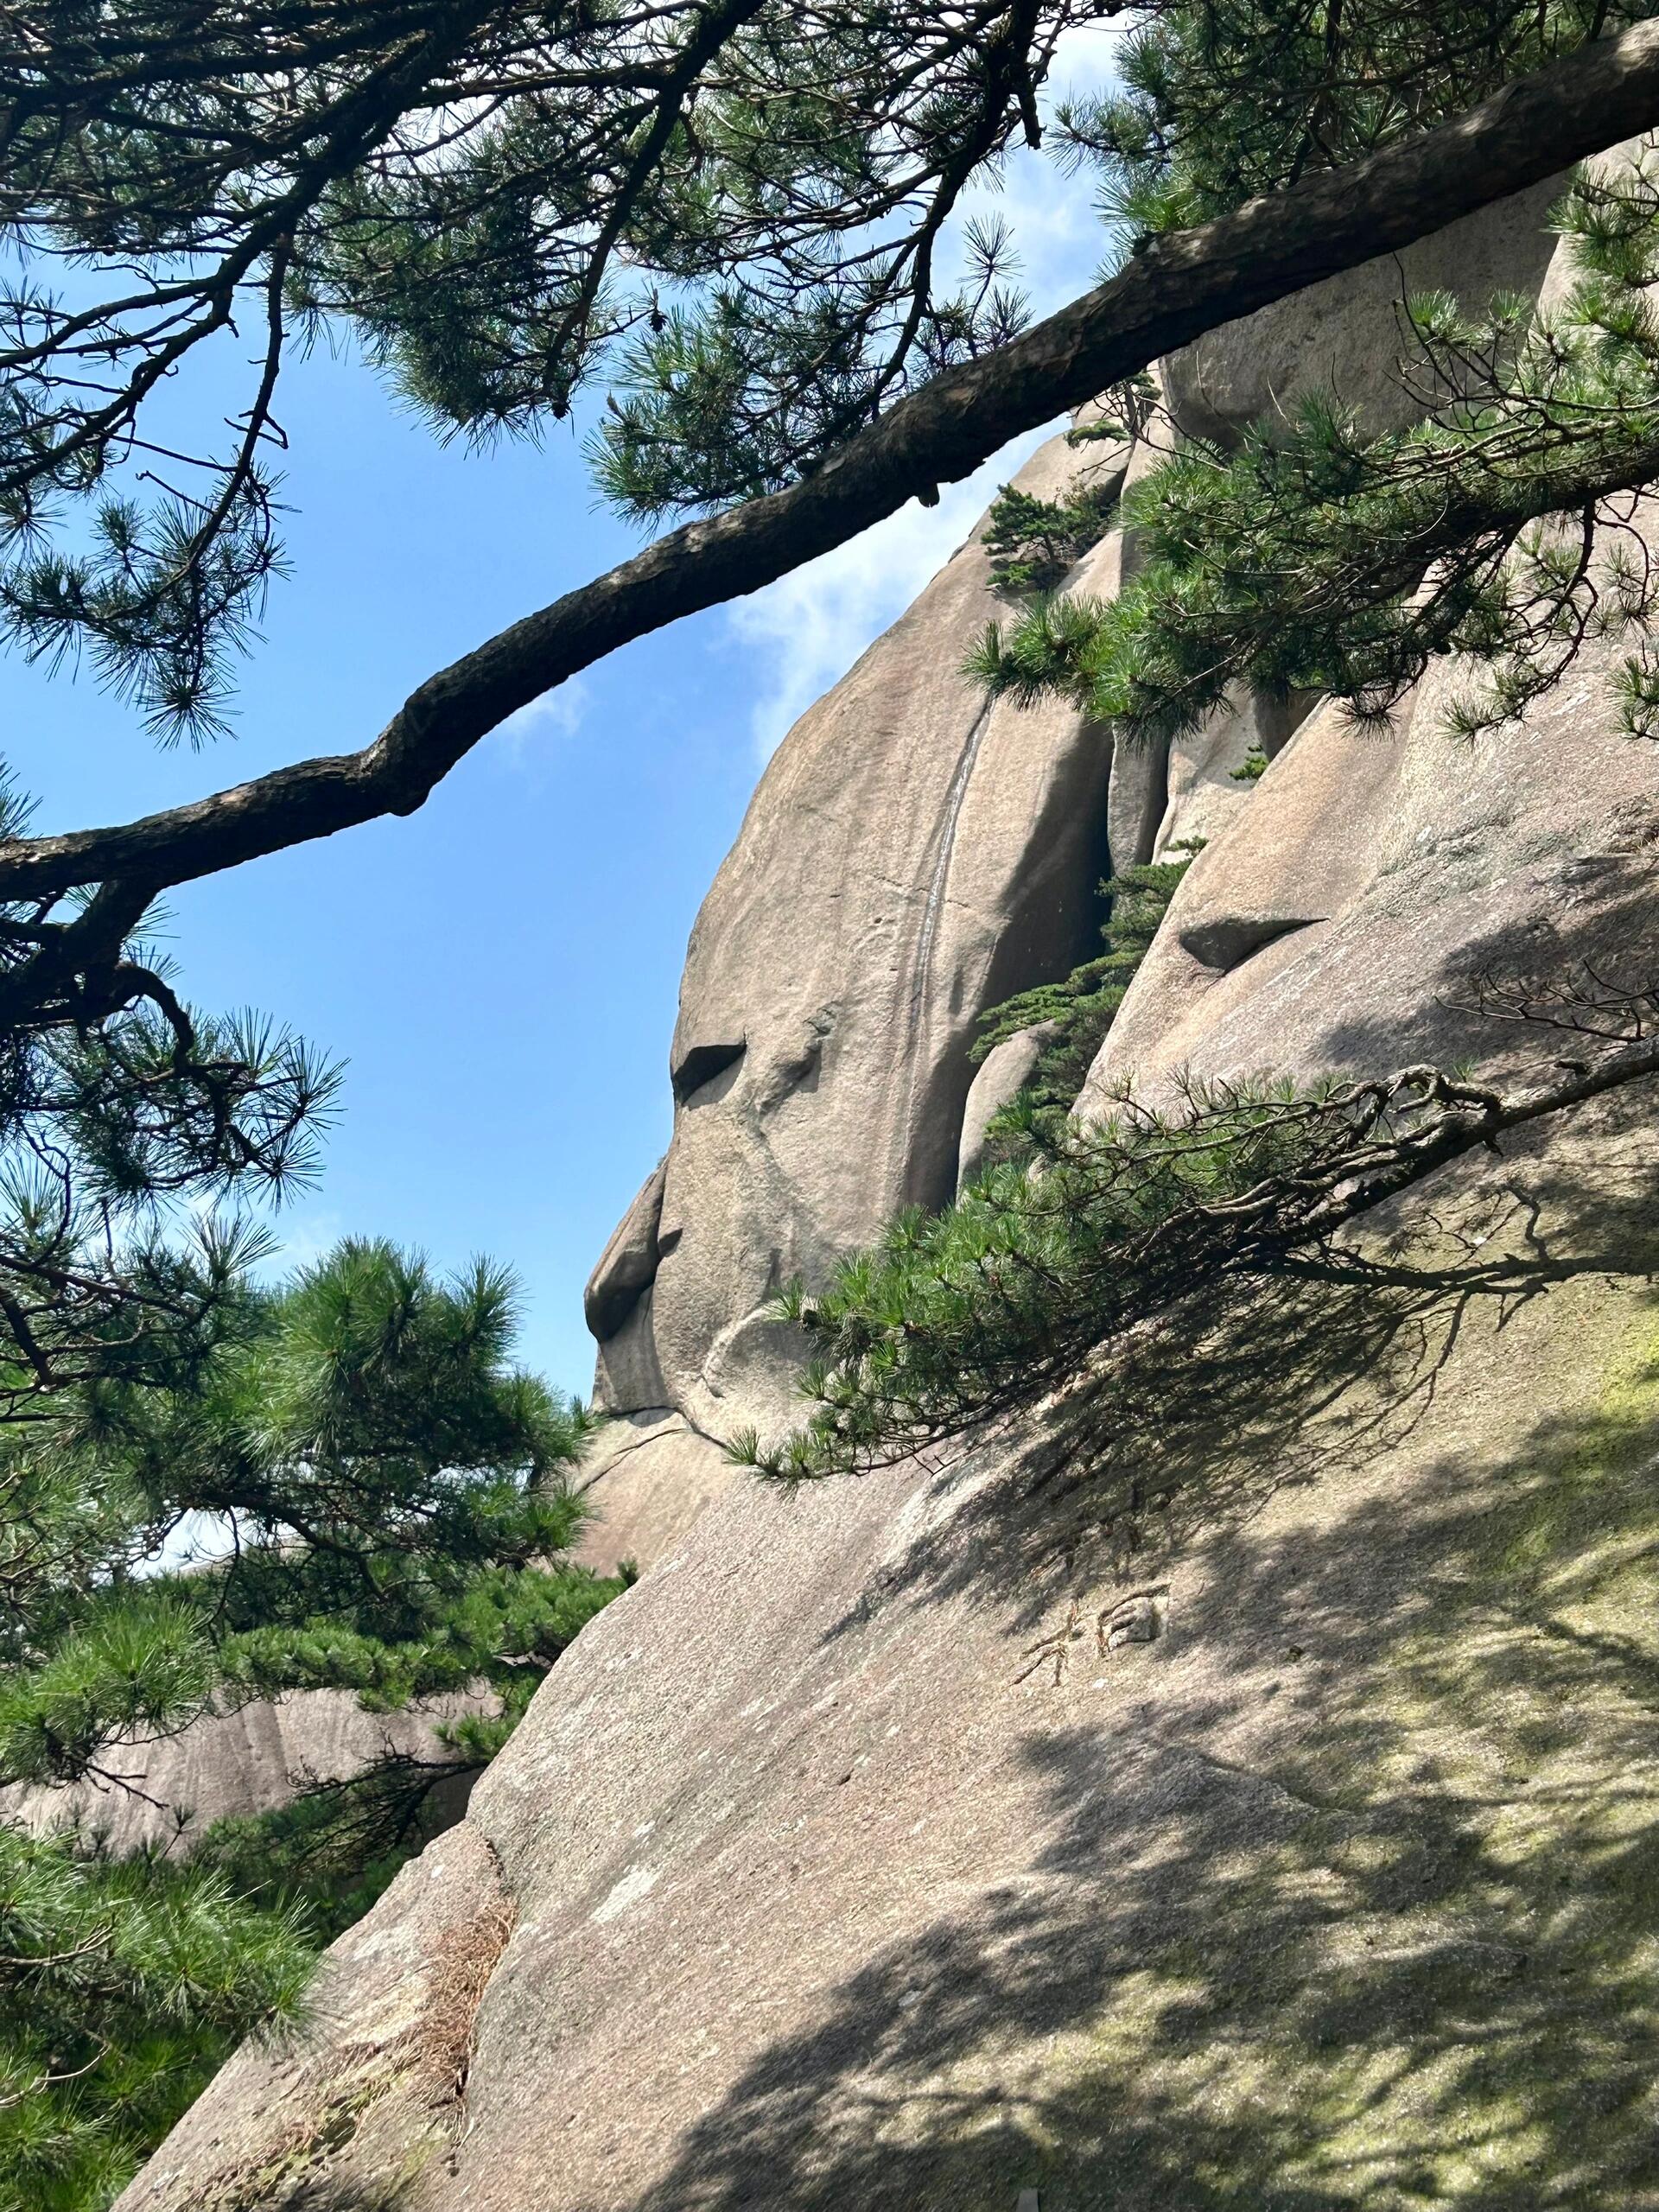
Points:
1251	1803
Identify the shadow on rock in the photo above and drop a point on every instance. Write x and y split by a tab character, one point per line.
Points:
1404	1959
1270	1383
1407	1964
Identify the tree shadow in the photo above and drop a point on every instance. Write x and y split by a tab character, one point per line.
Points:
1404	1959
1266	1382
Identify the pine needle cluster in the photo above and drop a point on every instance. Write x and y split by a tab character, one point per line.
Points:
959	1317
1215	101
1501	527
124	1986
739	222
137	1134
1074	1015
745	226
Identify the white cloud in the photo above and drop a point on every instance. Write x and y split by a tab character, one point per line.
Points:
558	713
1085	60
805	632
1053	216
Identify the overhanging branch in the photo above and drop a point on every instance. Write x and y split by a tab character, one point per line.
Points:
1180	288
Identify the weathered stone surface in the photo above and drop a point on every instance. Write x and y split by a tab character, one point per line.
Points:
1138	801
647	1475
1344	923
1203	793
236	1763
850	1870
627	1373
1265	896
353	2113
911	856
1006	1069
1344	338
628	1262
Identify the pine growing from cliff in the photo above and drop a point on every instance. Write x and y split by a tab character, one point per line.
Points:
1307	555
1073	1015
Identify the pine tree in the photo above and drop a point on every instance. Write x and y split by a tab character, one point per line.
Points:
732	241
1050	1278
1074	1015
377	1500
1034	542
1313	557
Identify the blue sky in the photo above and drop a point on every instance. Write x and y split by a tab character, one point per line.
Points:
501	969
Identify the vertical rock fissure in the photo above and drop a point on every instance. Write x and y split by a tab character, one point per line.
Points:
956	798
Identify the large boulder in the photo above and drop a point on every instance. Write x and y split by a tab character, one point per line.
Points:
232	1764
1349	922
345	2123
911	1843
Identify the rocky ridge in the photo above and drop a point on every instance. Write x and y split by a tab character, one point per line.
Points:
229	1766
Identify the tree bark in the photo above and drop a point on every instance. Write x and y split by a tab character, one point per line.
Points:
1178	288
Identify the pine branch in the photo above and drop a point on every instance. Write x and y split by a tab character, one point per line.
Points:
1501	528
1025	1286
1181	286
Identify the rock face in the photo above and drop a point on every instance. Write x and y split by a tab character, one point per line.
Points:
628	1264
1005	1071
910	857
1248	1800
649	1475
233	1764
1343	340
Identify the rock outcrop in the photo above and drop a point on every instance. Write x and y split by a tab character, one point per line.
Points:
1245	1799
232	1764
1005	1071
910	857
